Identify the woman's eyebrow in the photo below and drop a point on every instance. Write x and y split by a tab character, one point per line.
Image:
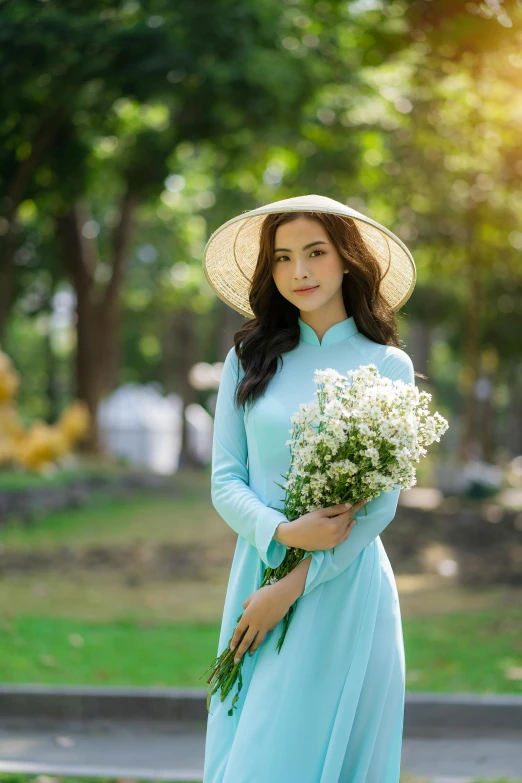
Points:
287	249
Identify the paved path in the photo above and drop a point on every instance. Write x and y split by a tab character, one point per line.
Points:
174	751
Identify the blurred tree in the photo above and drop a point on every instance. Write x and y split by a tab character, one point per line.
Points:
131	130
462	160
138	79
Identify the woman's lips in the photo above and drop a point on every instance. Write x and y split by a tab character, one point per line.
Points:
307	290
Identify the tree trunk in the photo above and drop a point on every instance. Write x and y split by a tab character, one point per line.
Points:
231	321
42	140
7	287
487	423
513	439
97	309
51	375
419	346
187	354
469	446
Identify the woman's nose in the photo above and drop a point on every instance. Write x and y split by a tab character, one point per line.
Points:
300	268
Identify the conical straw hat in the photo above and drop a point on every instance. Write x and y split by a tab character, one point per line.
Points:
231	253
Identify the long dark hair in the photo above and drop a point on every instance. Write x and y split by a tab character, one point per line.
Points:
274	330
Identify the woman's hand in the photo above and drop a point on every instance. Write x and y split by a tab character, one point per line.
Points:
323	528
264	609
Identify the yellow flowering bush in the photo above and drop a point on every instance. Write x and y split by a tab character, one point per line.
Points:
41	444
74	422
9	379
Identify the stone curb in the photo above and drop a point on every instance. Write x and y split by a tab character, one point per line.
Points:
102	702
423	711
442	712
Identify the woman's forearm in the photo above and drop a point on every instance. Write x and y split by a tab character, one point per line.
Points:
294	582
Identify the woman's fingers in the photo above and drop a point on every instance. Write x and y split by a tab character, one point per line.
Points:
350	514
334	511
245	644
357	507
260	638
349	528
342	508
237	635
351	518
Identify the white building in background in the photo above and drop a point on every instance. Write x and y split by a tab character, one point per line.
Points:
140	424
200	428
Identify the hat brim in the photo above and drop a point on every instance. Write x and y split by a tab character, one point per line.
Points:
231	253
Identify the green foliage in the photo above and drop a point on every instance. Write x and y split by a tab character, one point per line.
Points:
202	110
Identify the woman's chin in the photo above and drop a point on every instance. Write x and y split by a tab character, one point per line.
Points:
308	304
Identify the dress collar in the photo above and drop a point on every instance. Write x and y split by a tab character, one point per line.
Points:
342	330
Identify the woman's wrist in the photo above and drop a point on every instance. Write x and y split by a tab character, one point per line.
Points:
283	533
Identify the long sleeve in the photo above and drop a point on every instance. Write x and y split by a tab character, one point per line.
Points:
380	511
232	497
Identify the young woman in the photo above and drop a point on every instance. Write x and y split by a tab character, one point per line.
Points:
322	283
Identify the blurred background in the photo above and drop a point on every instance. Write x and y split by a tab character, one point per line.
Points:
129	132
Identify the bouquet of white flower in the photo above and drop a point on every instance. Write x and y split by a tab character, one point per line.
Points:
359	438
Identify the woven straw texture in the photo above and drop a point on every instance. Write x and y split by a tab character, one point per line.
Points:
231	253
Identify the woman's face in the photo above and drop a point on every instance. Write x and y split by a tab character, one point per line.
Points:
305	256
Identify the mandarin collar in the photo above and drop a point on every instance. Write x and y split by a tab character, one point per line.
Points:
342	330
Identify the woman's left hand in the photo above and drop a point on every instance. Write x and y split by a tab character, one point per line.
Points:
264	609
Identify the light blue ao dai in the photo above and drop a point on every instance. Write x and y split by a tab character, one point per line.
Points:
328	708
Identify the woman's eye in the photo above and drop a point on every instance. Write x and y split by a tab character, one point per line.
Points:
281	258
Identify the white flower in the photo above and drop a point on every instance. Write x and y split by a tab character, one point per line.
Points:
360	436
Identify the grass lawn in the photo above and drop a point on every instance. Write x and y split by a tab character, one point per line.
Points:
187	517
477	652
102	627
16	777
